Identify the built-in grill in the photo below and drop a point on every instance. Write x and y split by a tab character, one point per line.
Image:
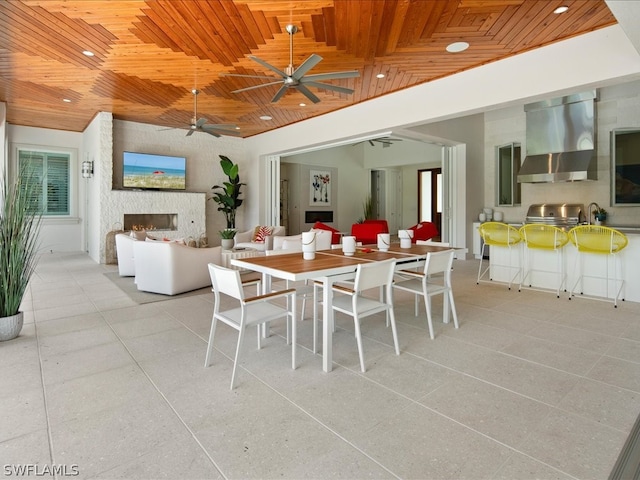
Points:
562	215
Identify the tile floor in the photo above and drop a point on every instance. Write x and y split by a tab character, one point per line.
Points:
530	386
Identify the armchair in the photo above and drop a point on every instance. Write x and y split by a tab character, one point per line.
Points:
367	232
170	268
247	239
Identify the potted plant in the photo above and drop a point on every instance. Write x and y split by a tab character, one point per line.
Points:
227	238
600	215
227	196
19	229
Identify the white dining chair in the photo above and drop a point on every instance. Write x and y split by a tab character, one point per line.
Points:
428	284
251	311
352	302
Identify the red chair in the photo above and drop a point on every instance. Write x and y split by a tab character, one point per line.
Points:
424	231
367	232
335	234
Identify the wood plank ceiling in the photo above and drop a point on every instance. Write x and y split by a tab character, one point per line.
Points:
150	54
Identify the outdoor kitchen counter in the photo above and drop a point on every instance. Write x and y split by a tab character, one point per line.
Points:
546	261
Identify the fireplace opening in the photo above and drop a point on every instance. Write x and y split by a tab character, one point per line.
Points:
150	221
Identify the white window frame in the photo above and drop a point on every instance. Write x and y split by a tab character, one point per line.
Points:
72	216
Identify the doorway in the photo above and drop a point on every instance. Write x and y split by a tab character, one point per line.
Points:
430	196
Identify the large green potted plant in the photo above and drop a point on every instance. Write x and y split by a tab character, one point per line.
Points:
227	196
19	229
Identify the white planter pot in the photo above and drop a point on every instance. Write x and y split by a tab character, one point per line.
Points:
10	327
227	243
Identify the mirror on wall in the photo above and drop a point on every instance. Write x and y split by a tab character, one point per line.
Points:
508	163
625	166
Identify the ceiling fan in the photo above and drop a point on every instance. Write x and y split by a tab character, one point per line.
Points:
201	125
295	77
384	141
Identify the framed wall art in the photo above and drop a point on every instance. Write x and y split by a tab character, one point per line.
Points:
320	188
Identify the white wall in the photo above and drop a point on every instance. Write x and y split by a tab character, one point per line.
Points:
56	234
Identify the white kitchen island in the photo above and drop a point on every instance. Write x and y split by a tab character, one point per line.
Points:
594	265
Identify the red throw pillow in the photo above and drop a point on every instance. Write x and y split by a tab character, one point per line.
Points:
260	233
335	234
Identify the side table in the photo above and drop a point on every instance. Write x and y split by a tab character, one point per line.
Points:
228	255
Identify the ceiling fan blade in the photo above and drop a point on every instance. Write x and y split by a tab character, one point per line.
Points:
201	122
240	75
211	133
332	76
371	143
307	65
257	86
190	132
307	93
279	94
268	65
327	86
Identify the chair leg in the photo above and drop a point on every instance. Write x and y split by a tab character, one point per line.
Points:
315	319
392	318
208	359
356	322
237	356
453	308
293	332
427	307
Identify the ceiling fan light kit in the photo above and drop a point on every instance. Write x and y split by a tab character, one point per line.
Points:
296	78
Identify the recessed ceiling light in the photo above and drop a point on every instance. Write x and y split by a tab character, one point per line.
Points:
456	47
88	53
303	104
66	100
266	117
237	128
380	75
561	9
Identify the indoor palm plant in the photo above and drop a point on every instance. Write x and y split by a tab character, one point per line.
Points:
19	229
227	196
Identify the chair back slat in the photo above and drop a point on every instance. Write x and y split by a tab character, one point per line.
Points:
438	262
227	281
374	274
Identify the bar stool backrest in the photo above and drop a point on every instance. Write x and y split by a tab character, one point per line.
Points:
597	239
499	234
545	237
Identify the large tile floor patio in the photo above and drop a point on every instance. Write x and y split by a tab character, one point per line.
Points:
529	386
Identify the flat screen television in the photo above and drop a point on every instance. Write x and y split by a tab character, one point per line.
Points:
153	172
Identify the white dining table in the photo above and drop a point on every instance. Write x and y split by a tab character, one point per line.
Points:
329	267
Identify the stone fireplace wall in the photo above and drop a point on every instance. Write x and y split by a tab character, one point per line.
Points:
189	207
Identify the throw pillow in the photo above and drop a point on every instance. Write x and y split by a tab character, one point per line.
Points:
260	233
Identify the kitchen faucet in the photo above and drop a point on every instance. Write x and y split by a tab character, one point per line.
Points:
592	204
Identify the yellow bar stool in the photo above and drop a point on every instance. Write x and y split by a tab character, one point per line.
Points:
599	240
541	237
498	234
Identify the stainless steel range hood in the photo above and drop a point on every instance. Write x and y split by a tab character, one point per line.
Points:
561	140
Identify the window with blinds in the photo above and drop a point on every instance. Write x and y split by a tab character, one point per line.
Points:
52	172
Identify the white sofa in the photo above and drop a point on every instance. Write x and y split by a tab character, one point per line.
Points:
294	242
244	239
124	252
170	268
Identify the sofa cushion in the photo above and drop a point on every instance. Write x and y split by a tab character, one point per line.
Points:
335	237
260	233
